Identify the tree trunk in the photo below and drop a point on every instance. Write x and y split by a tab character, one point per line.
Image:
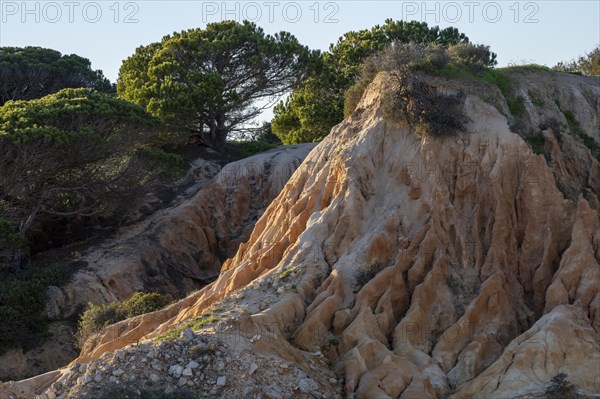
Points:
216	135
221	133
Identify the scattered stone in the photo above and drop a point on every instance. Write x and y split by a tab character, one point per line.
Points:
84	379
221	381
118	372
176	370
307	385
273	393
157	366
182	382
188	372
192	365
253	368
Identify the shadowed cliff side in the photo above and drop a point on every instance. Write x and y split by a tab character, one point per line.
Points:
173	251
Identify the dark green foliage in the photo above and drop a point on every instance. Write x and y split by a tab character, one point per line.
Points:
13	248
265	134
97	317
536	143
561	388
258	140
319	104
208	82
141	303
22	300
517	106
73	154
575	129
34	72
309	113
172	163
245	149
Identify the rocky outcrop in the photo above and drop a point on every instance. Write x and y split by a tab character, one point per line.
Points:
182	247
412	267
173	251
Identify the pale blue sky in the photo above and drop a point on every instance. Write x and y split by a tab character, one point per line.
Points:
541	31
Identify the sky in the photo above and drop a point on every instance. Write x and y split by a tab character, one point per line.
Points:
107	32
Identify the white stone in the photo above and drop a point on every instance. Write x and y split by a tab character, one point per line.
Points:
253	368
193	365
176	370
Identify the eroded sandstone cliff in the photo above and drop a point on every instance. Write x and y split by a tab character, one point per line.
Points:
173	251
393	266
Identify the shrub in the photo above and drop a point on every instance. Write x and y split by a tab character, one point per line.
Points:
13	247
516	107
477	55
536	143
561	388
172	163
22	301
98	317
265	134
364	274
589	64
141	303
397	56
576	131
426	111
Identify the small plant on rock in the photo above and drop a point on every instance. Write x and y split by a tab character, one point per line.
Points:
561	388
364	274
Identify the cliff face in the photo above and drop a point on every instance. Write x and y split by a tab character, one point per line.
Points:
173	251
392	266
